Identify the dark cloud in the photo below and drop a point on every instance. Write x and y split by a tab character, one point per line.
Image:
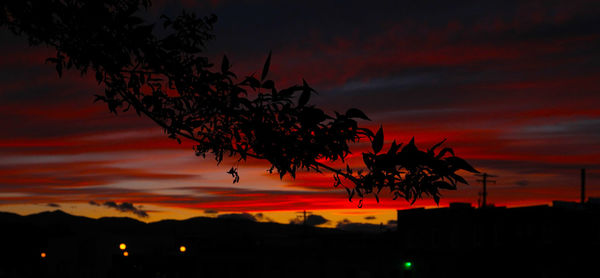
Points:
350	226
238	216
522	182
316	220
211	211
93	203
127	207
53	205
370	217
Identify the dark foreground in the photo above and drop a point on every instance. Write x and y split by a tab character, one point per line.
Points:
540	242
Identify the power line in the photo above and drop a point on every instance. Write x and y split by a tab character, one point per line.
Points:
484	181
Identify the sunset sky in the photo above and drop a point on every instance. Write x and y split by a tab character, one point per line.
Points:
514	87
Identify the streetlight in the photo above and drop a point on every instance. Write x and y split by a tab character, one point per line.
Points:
43	255
122	246
182	249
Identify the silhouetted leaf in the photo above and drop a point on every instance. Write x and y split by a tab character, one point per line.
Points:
350	193
367	132
377	142
265	70
59	68
225	64
443	152
431	151
394	148
355	113
410	147
460	164
269	84
436	198
367	159
305	96
252	82
459	178
99	77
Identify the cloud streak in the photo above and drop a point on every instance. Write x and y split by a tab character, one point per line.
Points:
123	207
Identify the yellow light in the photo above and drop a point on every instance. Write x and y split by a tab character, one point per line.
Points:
182	249
122	246
125	254
43	255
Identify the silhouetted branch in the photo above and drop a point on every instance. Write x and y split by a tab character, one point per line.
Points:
167	79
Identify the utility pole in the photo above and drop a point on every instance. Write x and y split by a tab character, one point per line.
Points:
484	181
302	214
304	218
582	186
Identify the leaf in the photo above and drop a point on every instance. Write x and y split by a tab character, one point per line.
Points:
225	64
377	142
269	84
288	92
436	198
252	82
459	178
51	60
355	113
394	148
443	152
99	76
367	160
461	164
99	97
305	96
265	70
435	146
410	147
282	173
59	68
350	193
367	132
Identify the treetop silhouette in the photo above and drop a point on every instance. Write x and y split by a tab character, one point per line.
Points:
164	76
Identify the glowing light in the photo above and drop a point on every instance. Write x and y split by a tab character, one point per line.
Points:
125	254
182	249
122	246
43	255
407	265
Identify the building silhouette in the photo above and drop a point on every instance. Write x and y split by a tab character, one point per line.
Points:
536	241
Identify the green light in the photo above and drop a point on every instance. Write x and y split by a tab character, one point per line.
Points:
407	265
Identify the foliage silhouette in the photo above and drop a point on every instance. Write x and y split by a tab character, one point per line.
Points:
164	76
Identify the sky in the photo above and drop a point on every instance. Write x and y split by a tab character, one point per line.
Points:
514	87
